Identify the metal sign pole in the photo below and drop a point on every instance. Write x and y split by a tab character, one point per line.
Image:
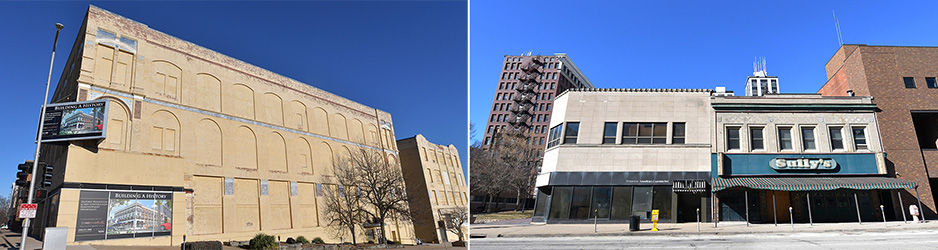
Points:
774	209
901	206
810	216
920	207
884	215
747	208
857	201
714	208
42	118
792	217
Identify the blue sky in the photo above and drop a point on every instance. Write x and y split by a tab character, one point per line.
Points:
408	58
685	44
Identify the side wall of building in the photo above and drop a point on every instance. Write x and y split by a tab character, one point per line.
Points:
248	145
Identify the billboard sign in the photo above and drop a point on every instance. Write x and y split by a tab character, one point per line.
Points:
123	214
75	121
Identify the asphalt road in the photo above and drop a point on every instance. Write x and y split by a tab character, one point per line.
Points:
906	239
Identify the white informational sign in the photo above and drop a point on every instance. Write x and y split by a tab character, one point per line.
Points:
27	211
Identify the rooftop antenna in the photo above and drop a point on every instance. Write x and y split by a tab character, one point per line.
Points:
840	38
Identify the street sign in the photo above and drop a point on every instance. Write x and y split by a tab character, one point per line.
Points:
27	211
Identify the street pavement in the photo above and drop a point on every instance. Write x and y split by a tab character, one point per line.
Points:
898	239
521	234
523	228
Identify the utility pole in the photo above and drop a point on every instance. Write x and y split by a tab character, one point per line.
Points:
42	118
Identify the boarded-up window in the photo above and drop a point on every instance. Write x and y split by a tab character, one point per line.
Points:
337	127
207	214
166	80
273	109
164	134
103	64
319	121
244	152
206	93
280	205
276	153
247	206
309	211
239	101
209	143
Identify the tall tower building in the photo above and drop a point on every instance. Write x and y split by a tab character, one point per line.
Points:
523	102
760	83
525	94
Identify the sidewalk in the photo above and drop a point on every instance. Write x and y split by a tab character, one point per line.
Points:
568	230
11	240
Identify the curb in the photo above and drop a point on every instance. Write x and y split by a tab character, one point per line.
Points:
648	233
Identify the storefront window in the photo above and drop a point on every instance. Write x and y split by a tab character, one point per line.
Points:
601	202
662	202
641	202
621	203
540	205
580	205
560	203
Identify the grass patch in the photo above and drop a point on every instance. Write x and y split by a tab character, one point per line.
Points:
507	215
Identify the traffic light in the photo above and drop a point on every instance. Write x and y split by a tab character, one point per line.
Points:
22	177
47	175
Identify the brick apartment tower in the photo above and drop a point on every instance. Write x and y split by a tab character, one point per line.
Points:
524	97
902	81
525	102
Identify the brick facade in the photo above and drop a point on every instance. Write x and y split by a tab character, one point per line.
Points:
878	71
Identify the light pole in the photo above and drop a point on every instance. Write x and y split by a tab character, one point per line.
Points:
42	118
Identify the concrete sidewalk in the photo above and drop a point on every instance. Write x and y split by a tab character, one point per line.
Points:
569	230
11	240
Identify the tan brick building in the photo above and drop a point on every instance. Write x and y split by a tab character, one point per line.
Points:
222	149
435	181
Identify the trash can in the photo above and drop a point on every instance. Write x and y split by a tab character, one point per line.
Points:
634	223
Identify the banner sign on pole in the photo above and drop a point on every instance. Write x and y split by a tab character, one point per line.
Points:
75	121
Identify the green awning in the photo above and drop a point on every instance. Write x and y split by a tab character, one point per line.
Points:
811	184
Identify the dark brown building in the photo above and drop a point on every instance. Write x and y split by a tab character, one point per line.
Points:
902	81
524	96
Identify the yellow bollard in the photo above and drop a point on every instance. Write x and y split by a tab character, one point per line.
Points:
654	220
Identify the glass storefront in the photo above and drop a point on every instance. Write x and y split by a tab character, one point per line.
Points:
607	202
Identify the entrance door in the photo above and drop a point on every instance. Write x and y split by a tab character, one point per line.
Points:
687	205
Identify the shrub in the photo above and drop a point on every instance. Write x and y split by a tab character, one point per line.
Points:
263	241
318	240
202	245
290	240
302	240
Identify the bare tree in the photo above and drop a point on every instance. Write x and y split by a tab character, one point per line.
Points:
519	161
455	218
510	163
343	206
5	209
381	183
485	176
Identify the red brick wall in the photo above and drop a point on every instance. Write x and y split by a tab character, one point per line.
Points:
878	71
